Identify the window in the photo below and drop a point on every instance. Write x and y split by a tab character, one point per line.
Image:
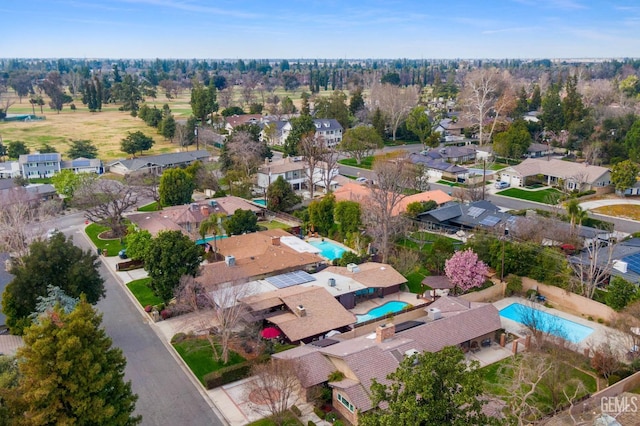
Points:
345	402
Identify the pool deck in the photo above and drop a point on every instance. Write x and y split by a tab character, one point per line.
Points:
402	296
320	239
601	333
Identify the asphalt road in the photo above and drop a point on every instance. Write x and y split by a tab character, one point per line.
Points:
166	394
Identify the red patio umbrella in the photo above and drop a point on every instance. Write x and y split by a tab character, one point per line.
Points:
270	333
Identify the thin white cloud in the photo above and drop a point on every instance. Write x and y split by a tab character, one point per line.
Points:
189	6
554	4
511	30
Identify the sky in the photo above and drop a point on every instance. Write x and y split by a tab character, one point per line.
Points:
249	29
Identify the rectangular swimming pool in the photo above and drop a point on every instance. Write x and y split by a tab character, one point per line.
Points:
328	249
382	310
552	324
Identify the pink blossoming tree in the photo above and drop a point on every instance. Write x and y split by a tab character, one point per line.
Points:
465	271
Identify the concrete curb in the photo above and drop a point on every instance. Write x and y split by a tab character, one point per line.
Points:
194	380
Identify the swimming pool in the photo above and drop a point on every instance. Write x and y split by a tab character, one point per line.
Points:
569	330
382	310
328	249
260	201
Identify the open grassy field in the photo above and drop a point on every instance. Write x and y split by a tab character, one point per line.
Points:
625	211
106	128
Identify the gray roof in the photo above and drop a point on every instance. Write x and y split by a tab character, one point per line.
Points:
436	164
450	152
81	162
442	214
39	158
162	160
619	252
538	147
327	124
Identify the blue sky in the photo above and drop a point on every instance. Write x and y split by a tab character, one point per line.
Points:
320	29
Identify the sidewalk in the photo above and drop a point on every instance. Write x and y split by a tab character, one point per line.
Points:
588	205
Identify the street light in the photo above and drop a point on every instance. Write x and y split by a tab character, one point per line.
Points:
195	132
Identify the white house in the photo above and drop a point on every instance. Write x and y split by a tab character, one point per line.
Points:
327	128
576	176
294	170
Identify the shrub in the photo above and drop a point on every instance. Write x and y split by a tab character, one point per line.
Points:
531	293
336	376
148	308
226	375
311	423
590	318
514	285
614	378
296	410
166	313
318	412
331	417
600	321
160	307
178	337
338	423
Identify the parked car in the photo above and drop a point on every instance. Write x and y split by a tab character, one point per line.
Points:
501	185
122	254
362	180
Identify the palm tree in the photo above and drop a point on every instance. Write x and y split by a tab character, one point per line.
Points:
212	225
576	213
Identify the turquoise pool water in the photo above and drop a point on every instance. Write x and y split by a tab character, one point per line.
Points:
260	201
552	324
380	311
208	239
328	249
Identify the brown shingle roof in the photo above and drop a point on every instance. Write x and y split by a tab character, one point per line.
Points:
372	274
323	311
559	168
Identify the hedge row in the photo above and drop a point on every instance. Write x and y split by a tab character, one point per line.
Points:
232	373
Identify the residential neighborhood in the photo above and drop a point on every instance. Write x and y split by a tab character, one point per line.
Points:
310	241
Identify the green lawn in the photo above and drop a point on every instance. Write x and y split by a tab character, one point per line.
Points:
447	182
414	280
541	196
274	224
40	180
142	291
198	355
290	420
112	246
151	207
498	166
367	162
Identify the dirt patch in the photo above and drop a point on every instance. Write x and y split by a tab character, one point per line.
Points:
624	211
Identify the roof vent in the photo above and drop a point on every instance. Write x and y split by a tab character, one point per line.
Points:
411	352
353	268
230	260
434	313
301	311
621	266
332	282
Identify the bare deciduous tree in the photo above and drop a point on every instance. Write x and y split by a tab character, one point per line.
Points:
274	388
395	102
330	159
245	152
481	91
380	210
225	97
104	201
593	267
312	148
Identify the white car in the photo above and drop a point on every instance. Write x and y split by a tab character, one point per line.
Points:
362	180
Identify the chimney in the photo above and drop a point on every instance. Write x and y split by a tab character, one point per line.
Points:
275	241
301	311
384	332
204	209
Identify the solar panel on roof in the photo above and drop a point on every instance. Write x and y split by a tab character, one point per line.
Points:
407	325
490	221
475	211
324	343
633	262
290	279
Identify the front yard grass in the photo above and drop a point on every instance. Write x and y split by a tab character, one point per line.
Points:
151	207
546	196
198	355
447	182
625	211
367	162
141	289
289	420
112	246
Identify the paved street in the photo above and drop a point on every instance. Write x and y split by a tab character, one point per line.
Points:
166	394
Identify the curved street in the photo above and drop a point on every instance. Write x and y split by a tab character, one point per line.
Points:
167	395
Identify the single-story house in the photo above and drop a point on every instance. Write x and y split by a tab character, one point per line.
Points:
634	190
302	313
451	154
537	150
452	127
233	121
83	165
451	322
32	194
187	217
624	261
439	169
259	255
575	176
478	214
157	163
362	193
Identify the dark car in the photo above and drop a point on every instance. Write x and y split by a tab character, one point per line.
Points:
122	254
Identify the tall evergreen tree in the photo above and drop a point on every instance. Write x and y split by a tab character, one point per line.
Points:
176	187
71	374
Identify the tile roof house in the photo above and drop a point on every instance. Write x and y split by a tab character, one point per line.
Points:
187	217
157	163
580	176
453	322
360	193
256	256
